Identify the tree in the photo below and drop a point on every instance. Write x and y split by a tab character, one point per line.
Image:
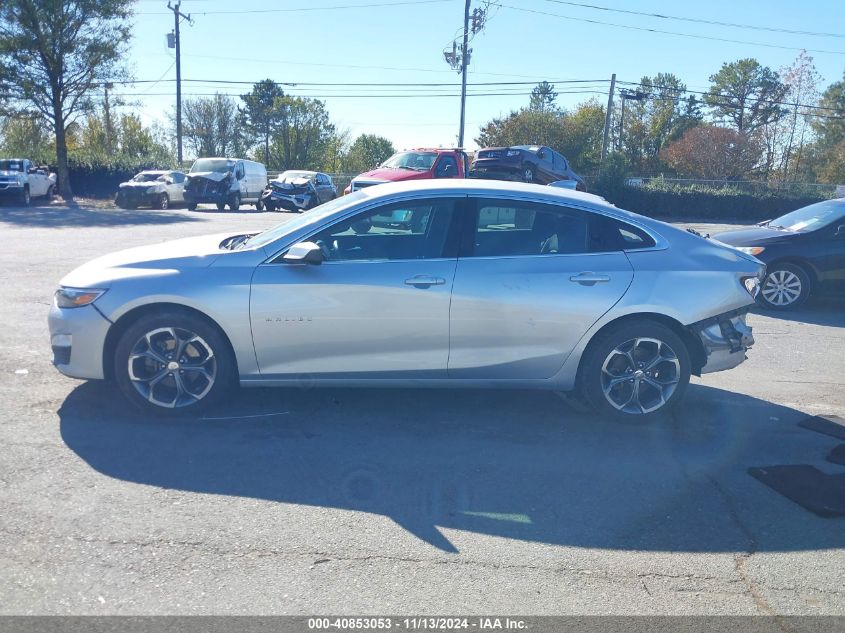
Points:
367	151
713	153
55	52
543	97
301	138
25	135
801	80
262	113
746	94
829	126
211	126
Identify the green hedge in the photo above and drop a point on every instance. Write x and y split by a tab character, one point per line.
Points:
701	203
91	179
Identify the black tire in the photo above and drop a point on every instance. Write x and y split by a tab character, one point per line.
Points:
221	206
192	207
603	377
235	202
163	202
26	199
785	287
270	206
259	205
529	172
149	333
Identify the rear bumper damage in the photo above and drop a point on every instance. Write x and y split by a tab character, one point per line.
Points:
724	339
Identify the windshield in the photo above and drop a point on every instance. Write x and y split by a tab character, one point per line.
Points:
148	177
220	165
311	217
290	176
11	165
811	218
418	161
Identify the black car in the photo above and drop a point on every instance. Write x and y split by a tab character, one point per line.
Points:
804	253
526	163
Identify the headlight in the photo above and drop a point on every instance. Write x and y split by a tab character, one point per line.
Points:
151	189
750	250
76	297
752	285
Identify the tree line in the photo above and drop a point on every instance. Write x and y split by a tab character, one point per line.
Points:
752	123
58	59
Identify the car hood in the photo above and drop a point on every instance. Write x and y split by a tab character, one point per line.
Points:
216	176
754	236
157	259
141	185
393	175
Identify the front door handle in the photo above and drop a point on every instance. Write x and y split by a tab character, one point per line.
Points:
589	278
425	281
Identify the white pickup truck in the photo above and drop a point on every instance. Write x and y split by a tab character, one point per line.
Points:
21	180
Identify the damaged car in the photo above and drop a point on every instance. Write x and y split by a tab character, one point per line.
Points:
454	283
226	182
155	189
298	190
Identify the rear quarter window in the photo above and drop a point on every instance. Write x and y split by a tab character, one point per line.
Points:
610	234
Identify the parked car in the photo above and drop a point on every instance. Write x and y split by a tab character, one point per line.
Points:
154	188
297	190
226	181
526	163
804	253
497	285
417	164
21	180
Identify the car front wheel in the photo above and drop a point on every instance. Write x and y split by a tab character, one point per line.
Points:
786	286
635	370
173	364
528	173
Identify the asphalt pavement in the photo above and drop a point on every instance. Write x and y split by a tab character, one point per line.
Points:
316	501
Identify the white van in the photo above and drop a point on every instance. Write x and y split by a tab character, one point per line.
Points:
225	181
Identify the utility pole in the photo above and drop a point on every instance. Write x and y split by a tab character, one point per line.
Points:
606	136
464	65
177	14
107	112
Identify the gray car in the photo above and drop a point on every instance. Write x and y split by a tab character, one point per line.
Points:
488	284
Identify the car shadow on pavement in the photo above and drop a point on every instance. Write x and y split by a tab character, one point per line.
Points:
520	465
827	311
75	216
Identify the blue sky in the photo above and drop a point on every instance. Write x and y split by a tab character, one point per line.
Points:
252	40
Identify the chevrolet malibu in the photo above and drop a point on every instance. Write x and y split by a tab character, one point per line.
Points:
489	284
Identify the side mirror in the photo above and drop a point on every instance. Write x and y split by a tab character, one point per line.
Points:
304	253
448	171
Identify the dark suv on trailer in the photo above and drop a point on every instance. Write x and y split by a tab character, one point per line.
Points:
526	163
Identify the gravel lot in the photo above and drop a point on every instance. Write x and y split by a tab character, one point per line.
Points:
394	501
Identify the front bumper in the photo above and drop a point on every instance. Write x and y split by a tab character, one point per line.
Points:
293	202
725	339
11	189
136	198
78	336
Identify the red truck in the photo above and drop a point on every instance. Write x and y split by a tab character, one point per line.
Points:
415	164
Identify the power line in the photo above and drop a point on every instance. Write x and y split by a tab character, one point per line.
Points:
371	5
698	20
650	30
356	84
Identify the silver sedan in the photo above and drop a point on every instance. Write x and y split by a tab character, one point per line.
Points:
438	283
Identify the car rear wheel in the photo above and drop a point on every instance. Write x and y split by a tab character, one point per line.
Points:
636	370
173	364
786	286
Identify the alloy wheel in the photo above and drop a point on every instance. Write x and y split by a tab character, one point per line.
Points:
172	367
782	288
640	375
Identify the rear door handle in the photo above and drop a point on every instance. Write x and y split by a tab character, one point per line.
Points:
425	280
589	278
